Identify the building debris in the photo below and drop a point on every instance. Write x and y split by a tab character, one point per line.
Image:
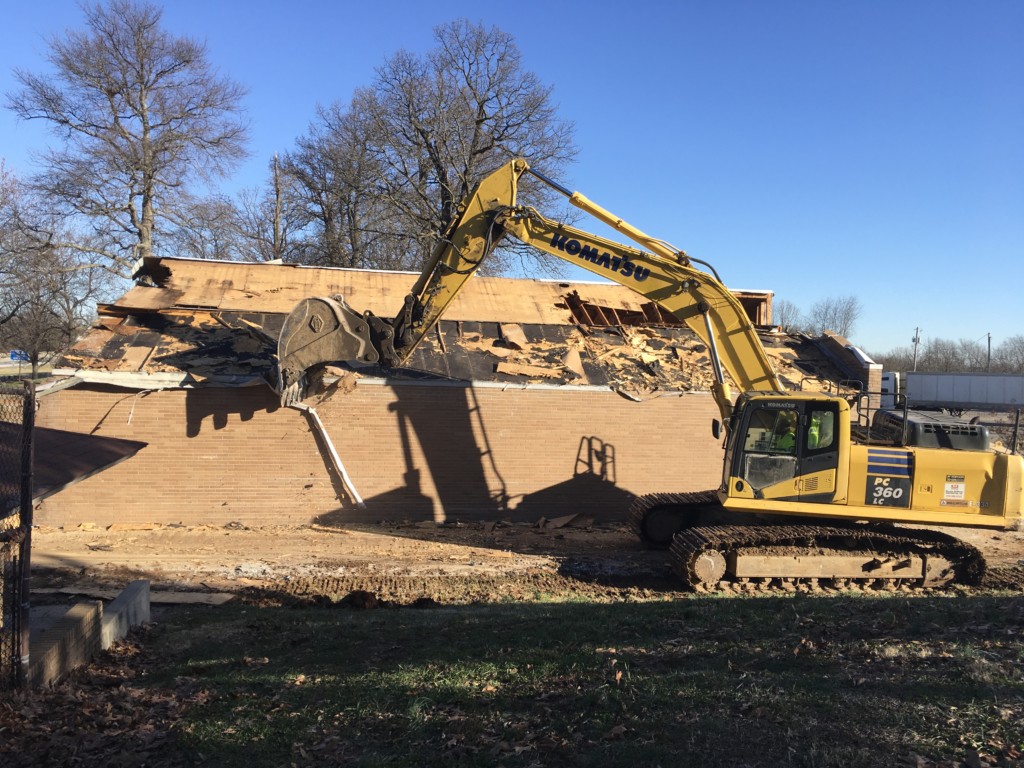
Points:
512	334
215	323
529	371
572	362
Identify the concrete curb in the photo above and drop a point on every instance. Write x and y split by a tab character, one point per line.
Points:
83	631
127	610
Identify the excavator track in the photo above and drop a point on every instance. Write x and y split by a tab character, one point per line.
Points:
657	517
767	557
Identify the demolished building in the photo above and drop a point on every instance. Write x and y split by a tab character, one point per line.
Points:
531	398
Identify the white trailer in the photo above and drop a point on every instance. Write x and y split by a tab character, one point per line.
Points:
964	391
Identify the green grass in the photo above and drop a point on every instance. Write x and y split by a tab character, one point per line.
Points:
765	681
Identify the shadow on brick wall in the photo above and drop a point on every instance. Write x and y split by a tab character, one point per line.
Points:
450	473
583	494
445	423
218	404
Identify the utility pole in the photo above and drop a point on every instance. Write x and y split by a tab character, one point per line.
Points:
916	340
988	362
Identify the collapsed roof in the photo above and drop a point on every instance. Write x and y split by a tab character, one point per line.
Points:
190	322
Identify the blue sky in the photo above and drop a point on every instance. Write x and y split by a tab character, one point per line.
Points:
813	148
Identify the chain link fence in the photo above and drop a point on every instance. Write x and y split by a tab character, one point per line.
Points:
17	408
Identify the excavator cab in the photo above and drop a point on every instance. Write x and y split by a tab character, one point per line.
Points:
786	447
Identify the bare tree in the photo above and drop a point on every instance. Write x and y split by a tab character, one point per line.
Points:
1009	355
898	359
337	183
10	245
47	295
56	300
205	228
973	355
272	223
140	114
260	225
836	314
963	356
941	356
786	315
384	175
23	242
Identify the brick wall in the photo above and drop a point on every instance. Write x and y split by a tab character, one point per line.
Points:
412	451
213	455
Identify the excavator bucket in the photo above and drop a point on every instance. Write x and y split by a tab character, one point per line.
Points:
317	332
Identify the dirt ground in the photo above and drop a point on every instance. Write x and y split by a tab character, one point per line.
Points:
399	562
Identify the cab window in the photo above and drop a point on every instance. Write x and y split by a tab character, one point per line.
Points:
769	456
771	431
820	429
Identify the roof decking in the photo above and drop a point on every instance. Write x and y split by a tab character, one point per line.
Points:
216	322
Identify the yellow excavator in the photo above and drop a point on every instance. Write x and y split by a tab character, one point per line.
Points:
802	499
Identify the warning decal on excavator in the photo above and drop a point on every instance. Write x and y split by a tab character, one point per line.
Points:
888	480
955	492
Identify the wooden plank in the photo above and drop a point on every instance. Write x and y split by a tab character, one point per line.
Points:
513	335
518	369
572	361
277	288
134	358
162	597
148	297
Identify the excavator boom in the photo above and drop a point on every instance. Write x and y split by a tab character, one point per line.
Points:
323	330
696	298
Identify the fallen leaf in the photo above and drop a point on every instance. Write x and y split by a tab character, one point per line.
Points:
615	733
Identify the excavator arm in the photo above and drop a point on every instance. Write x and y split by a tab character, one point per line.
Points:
323	330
